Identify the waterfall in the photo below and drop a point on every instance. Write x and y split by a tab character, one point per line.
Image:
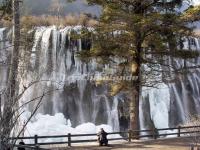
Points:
3	59
154	104
53	62
172	104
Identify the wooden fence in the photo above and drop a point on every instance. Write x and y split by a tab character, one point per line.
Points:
128	135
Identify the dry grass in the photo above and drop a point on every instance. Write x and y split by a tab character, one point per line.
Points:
32	21
29	22
197	31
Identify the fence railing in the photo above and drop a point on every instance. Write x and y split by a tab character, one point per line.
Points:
128	135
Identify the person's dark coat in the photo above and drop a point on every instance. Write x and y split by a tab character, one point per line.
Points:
21	148
102	137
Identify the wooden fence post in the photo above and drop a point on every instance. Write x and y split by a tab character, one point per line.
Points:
37	147
192	147
69	139
129	135
179	131
36	139
155	133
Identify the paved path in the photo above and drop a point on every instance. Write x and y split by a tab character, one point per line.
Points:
162	144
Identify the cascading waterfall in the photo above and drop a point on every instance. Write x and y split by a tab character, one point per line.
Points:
3	58
154	103
4	61
172	104
3	72
52	60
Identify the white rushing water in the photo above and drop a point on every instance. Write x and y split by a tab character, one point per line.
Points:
159	100
154	100
53	62
170	104
3	59
83	106
196	2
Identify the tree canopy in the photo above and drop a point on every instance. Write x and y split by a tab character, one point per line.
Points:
5	8
131	30
132	34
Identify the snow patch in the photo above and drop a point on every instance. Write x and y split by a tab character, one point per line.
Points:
46	125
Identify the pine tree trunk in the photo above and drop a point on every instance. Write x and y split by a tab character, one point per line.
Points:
136	86
134	110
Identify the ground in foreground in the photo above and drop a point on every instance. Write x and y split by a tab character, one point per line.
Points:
161	144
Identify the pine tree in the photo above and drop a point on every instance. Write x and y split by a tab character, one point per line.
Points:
141	32
5	9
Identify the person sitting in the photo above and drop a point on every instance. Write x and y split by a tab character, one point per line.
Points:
102	137
21	148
